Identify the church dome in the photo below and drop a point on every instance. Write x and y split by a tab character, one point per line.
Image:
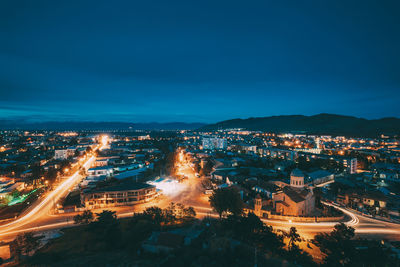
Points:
297	178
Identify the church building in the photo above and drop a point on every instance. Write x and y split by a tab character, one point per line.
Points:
295	199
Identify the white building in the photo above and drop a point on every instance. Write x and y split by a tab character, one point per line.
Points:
212	143
100	171
351	165
249	148
64	153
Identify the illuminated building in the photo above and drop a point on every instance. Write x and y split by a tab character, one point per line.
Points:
297	199
126	193
212	143
351	165
106	171
64	153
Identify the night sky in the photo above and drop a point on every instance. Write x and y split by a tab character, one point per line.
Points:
198	61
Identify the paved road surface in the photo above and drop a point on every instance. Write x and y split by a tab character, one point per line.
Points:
191	194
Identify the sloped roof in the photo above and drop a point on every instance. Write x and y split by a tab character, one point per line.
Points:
283	203
123	186
295	195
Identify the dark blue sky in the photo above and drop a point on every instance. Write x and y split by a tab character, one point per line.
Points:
200	61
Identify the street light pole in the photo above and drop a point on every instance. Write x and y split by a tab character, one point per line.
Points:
255	256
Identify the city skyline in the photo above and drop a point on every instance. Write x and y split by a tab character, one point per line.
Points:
199	133
197	62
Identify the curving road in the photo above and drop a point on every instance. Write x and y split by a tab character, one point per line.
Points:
37	216
39	219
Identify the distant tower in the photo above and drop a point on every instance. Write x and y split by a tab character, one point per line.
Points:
318	143
258	206
297	178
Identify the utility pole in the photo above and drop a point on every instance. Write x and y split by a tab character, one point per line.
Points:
255	256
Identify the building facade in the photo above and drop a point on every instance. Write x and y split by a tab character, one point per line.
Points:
213	143
119	195
64	153
296	199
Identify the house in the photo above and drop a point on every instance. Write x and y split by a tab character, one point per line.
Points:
223	174
359	199
374	199
264	188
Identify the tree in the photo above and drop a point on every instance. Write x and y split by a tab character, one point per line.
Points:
106	218
37	171
374	253
189	213
294	237
106	229
337	246
207	169
197	167
318	196
226	200
155	214
170	213
65	164
244	227
24	244
206	184
85	218
267	240
179	210
51	174
73	141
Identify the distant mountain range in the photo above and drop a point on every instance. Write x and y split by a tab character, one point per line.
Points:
330	124
73	125
318	124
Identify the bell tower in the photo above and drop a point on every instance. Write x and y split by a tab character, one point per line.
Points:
258	206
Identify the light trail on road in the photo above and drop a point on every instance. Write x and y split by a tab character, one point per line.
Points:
42	207
192	194
45	205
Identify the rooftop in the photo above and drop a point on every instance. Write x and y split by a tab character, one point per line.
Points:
297	173
122	186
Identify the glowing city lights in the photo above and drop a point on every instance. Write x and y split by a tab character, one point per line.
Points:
104	140
169	187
